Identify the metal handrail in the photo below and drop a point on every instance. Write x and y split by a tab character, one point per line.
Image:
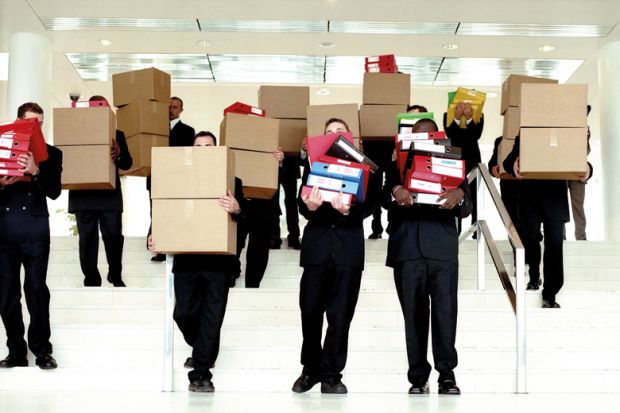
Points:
483	179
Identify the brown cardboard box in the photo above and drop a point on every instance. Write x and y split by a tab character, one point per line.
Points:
284	102
319	114
192	172
198	226
554	106
553	153
292	134
252	133
84	126
504	149
386	89
512	117
378	122
140	149
259	173
511	89
145	116
87	167
137	85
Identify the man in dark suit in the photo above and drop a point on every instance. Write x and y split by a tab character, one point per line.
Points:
180	135
423	251
102	209
25	240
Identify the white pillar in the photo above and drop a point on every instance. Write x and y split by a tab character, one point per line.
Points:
609	90
30	72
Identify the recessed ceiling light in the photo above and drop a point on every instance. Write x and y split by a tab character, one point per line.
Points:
105	42
323	91
203	43
546	48
327	44
450	46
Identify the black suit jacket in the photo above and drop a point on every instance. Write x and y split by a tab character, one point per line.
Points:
23	207
467	140
104	199
180	135
422	231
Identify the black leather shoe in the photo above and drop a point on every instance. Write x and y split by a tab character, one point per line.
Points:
88	282
46	362
375	235
158	258
533	285
419	389
294	243
275	244
333	385
201	386
449	387
550	304
116	283
304	383
189	363
232	281
11	361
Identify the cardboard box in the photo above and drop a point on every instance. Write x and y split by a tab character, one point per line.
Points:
386	89
259	173
146	116
87	167
319	114
378	122
554	106
292	133
503	150
553	153
192	172
198	226
84	126
512	123
140	146
288	102
137	85
511	89
250	133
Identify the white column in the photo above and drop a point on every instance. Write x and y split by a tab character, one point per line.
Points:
30	72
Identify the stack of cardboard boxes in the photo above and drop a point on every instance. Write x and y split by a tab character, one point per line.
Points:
253	140
142	98
385	95
288	104
187	184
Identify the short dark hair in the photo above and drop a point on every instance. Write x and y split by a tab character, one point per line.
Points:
207	134
420	108
28	107
332	120
422	121
179	99
97	98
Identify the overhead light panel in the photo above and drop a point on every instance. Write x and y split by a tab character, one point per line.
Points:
392	27
122	24
271	26
267	68
552	30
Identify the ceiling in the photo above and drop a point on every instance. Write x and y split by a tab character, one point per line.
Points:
278	41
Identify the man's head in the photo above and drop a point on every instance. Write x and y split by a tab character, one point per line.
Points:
175	107
204	138
30	110
416	109
425	125
336	125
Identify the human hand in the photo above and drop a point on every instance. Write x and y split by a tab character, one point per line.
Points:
278	154
304	144
402	196
451	198
151	245
8	180
517	169
115	150
27	163
495	171
339	206
314	201
585	177
229	203
468	111
458	110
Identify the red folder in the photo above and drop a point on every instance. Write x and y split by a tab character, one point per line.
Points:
386	59
318	145
430	183
31	128
244	109
89	104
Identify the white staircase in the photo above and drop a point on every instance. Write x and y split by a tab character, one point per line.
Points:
112	339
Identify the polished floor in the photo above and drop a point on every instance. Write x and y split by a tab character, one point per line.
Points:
95	402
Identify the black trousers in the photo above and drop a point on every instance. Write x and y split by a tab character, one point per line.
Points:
381	153
288	177
88	223
34	256
473	189
201	298
510	196
420	284
330	291
258	234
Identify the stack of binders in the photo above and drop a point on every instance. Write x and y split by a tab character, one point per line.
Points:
381	64
18	138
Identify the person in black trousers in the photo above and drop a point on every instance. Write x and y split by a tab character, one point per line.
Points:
201	285
288	176
423	251
102	209
509	189
25	240
332	255
180	135
542	202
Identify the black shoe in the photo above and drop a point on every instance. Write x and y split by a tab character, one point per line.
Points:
550	304
189	363
158	258
11	361
232	281
275	244
533	285
89	282
449	387
46	362
333	385
304	383
375	235
419	389
116	283
201	386
294	243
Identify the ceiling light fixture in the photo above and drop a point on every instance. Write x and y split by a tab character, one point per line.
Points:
450	46
327	44
203	43
105	42
323	92
546	48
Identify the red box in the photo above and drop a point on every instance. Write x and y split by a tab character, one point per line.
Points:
32	129
244	109
328	195
89	104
